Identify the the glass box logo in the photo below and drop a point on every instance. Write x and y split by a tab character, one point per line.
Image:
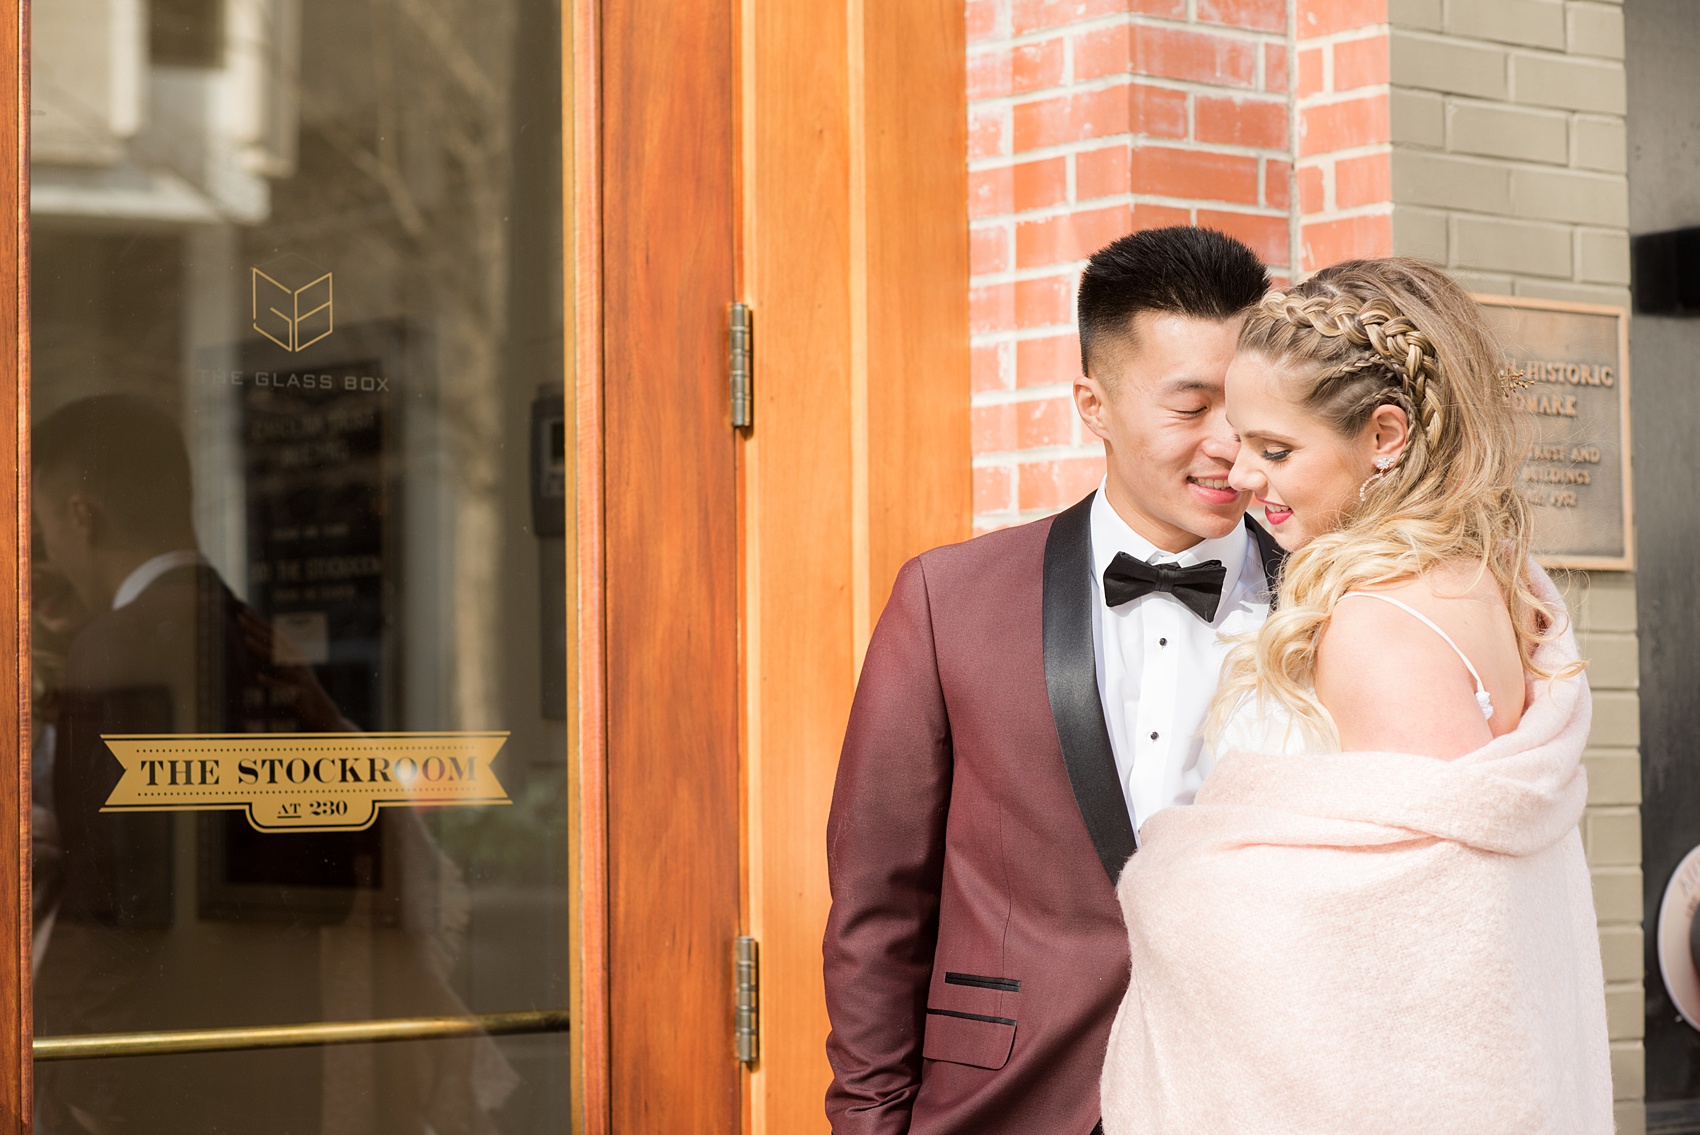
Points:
292	302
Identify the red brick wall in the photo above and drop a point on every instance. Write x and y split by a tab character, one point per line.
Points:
1092	118
1342	145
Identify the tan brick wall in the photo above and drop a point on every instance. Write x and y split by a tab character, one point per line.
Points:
1508	144
1604	607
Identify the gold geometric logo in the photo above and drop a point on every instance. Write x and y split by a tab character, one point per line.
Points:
292	302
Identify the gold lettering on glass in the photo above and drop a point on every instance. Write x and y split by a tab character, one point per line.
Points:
304	782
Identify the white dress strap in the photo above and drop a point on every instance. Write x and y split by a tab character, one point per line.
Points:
1483	698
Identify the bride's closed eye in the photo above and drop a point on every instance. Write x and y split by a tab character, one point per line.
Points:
1276	454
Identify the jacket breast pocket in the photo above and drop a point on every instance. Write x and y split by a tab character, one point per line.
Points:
968	1038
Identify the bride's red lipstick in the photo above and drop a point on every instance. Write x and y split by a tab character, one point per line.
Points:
1275	513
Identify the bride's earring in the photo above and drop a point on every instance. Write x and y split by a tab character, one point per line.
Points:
1382	465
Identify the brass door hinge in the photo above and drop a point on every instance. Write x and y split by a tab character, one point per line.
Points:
741	366
746	984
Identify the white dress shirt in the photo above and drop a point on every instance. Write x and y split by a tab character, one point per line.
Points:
1158	663
143	577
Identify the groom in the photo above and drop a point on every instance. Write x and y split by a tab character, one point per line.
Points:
1029	699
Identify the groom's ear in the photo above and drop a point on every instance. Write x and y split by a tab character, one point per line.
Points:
1089	402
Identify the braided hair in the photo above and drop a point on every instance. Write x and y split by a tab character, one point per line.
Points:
1377	342
1353	338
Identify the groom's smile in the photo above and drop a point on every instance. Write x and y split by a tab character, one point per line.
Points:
1156	398
1216	490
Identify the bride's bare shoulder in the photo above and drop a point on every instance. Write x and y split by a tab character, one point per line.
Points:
1446	582
1391	683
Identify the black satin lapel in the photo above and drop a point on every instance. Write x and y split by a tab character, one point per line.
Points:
1071	680
1270	555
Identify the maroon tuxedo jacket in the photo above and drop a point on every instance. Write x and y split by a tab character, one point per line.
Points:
975	954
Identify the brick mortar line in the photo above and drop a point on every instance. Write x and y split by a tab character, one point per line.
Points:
1016	335
1339	98
1455	97
1517	164
1097	204
1019	395
1344	35
1525	50
1329	157
1015	458
1150	199
1151	142
1026	275
998	338
1619	292
1022	516
1566	166
1027	39
1324	216
1190	148
1470	214
1117	79
1479	101
1052	333
1123	79
1121	19
1022	275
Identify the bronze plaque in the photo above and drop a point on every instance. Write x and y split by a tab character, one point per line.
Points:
1574	360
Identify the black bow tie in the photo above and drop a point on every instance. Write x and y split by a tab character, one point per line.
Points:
1199	586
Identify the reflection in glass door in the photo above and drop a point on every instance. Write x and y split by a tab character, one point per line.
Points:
300	487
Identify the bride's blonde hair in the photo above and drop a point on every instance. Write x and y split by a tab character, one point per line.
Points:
1358	336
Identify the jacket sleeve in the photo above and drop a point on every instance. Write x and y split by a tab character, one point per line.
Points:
885	862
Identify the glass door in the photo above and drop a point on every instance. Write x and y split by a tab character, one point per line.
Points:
301	477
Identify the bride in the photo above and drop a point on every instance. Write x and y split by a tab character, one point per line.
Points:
1377	915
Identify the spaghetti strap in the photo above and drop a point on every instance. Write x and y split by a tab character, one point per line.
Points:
1483	698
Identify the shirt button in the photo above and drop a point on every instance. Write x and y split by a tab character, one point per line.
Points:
1162	642
1153	736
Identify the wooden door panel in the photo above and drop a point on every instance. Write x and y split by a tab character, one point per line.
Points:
671	564
15	1030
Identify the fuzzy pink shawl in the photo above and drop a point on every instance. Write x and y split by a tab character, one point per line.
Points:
1358	943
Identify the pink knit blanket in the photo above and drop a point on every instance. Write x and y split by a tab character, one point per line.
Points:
1358	943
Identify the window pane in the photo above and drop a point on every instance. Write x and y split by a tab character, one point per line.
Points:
300	491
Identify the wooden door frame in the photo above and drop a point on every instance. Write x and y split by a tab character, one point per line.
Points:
588	769
849	156
656	760
16	1067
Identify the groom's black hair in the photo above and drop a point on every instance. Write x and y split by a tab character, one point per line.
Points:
1182	269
